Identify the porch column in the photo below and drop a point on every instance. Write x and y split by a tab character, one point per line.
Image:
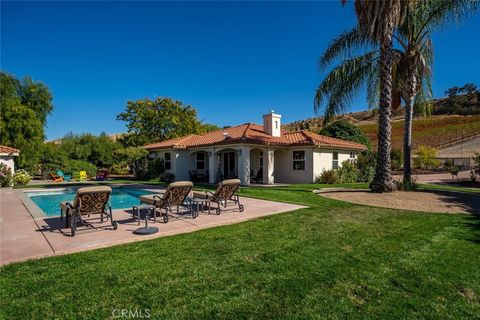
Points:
212	165
244	165
269	163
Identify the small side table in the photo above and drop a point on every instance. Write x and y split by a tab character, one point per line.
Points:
145	230
197	205
150	211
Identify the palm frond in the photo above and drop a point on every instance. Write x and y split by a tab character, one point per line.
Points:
433	14
342	47
343	82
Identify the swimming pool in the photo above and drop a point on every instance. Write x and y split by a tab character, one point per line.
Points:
49	201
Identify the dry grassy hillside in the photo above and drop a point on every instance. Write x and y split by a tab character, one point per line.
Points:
435	131
455	119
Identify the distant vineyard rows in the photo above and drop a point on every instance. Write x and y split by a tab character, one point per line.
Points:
434	131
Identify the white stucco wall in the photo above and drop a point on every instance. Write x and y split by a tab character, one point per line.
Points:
284	172
8	160
316	160
182	162
323	159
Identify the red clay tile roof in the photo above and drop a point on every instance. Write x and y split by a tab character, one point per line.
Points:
253	134
5	149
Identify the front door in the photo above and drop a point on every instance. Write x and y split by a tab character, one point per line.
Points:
229	170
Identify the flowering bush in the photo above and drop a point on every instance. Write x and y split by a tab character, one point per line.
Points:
22	177
5	175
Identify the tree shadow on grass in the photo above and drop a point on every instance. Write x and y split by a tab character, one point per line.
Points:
472	222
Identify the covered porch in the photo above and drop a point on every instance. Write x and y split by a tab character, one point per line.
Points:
250	164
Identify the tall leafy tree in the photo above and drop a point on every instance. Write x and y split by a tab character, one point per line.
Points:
345	130
98	150
150	121
25	106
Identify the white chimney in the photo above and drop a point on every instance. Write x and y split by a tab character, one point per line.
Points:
272	124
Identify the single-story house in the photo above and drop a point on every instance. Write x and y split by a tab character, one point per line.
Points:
254	153
7	154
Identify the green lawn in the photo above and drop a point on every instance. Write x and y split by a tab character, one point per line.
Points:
332	260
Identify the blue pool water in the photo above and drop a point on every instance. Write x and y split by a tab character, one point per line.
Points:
49	201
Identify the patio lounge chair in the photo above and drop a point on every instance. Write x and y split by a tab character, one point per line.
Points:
175	195
64	176
88	201
226	192
55	177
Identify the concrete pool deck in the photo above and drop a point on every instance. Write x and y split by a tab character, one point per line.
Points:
23	237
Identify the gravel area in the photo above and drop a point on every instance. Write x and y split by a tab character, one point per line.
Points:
430	201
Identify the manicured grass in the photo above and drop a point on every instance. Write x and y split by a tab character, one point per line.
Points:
331	260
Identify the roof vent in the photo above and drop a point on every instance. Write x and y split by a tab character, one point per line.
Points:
225	135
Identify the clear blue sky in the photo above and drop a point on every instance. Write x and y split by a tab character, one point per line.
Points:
231	61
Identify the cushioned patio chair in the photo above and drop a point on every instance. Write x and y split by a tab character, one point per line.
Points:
80	175
175	195
225	193
65	177
88	201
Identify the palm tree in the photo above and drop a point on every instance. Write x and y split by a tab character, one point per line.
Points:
417	58
410	75
378	20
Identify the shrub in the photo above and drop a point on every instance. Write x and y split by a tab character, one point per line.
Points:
454	171
22	177
473	176
348	173
396	157
136	158
155	168
476	163
120	168
72	166
168	177
426	158
366	162
328	177
448	164
6	178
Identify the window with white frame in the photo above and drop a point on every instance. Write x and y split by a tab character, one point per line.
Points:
168	161
298	160
352	155
200	160
335	160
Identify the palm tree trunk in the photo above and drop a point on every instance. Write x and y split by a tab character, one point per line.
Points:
407	129
382	182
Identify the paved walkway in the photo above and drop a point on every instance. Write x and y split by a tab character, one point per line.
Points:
22	237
